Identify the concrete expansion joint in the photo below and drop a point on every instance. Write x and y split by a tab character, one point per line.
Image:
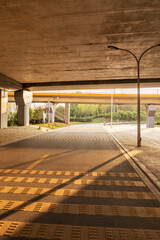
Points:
145	173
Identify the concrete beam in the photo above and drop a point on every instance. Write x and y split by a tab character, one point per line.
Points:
9	83
89	84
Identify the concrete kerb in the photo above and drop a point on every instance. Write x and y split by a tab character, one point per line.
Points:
147	176
27	137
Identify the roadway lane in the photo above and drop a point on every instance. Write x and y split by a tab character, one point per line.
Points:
73	183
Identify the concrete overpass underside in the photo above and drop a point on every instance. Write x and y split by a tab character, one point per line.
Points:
48	45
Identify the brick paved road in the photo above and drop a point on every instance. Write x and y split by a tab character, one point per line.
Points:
73	183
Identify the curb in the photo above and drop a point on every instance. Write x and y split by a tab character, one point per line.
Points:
147	176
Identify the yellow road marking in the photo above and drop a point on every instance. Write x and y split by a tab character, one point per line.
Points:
61	208
78	193
69	173
63	232
37	162
78	182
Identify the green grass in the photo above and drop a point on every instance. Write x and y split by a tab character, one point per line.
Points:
76	123
99	120
95	120
54	125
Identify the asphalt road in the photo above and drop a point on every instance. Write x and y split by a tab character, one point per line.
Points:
73	183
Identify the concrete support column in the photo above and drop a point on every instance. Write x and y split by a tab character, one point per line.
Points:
52	112
23	100
44	116
67	113
3	108
150	116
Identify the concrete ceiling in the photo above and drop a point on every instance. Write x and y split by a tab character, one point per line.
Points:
62	44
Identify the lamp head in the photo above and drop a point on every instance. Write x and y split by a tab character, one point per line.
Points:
113	47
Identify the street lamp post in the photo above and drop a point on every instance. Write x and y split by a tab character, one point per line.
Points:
111	108
138	87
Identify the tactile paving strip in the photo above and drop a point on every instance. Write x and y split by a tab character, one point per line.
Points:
61	208
68	173
78	182
77	193
71	232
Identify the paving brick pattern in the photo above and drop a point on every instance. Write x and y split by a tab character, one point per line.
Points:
83	188
11	134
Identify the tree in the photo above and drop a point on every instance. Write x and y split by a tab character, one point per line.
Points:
38	113
12	119
31	114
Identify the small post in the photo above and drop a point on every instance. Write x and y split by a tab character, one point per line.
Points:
111	108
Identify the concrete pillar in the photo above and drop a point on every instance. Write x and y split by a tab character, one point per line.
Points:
67	113
23	100
150	116
44	116
52	112
3	108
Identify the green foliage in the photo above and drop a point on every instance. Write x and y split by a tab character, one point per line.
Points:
157	117
60	109
81	119
124	116
143	116
84	110
31	114
81	112
36	115
12	119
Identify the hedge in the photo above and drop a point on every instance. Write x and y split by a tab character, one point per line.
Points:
81	119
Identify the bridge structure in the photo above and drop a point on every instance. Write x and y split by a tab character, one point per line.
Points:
60	45
80	182
52	99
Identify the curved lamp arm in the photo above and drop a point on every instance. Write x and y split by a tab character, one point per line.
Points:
137	59
125	50
157	45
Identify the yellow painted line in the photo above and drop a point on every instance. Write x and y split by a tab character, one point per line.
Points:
72	232
69	173
37	162
60	208
78	193
78	182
